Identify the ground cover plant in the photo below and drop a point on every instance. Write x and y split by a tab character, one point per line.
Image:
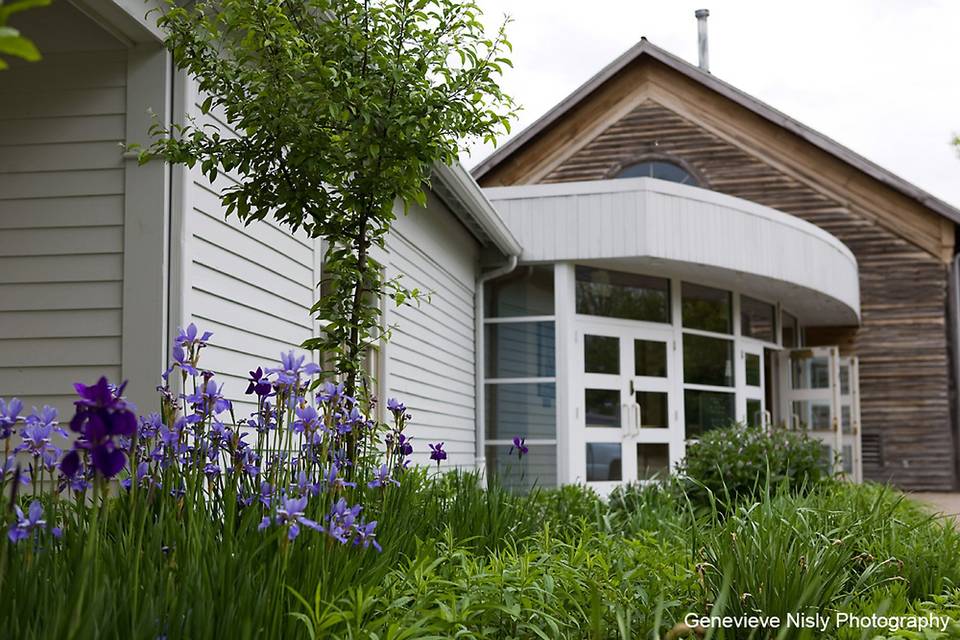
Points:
178	525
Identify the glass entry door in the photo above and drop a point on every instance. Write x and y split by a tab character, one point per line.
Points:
627	426
820	395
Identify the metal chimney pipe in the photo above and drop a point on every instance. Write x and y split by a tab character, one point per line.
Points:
702	15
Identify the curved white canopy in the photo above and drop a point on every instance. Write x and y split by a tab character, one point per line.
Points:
653	226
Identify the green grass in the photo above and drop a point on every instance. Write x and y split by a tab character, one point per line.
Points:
461	561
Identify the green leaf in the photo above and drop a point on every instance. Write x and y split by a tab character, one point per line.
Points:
17	45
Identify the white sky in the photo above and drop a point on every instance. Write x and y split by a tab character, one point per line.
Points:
881	77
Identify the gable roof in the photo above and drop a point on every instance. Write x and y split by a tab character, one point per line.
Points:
645	48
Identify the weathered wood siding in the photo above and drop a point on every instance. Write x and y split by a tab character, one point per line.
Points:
61	210
430	358
902	343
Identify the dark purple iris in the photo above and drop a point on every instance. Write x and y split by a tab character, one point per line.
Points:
102	415
437	453
520	445
258	383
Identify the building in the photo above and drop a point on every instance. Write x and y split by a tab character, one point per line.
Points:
658	255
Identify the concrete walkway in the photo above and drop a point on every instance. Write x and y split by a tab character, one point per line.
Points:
947	504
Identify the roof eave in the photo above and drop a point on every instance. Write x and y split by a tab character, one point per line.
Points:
644	47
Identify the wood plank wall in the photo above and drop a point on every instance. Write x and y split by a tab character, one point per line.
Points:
902	343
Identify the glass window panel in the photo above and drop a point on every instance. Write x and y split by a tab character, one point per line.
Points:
845	418
844	380
752	361
604	462
706	410
757	319
706	308
654	412
601	354
707	360
813	414
847	458
538	468
616	294
520	350
659	169
809	372
826	458
528	410
525	291
653	461
650	358
602	407
754	416
791	331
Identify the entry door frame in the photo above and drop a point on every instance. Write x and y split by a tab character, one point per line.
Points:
746	392
630	431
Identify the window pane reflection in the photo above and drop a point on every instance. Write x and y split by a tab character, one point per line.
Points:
602	407
520	350
653	461
622	295
706	308
601	354
528	410
757	319
650	358
707	360
604	462
706	410
526	291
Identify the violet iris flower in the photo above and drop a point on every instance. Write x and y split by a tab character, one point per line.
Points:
520	445
334	481
292	368
8	416
341	520
437	453
291	514
382	478
365	535
102	415
27	524
258	383
189	337
179	357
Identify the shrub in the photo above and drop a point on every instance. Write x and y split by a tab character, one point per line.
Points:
739	462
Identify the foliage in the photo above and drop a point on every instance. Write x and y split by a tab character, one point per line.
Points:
338	109
740	463
12	42
200	534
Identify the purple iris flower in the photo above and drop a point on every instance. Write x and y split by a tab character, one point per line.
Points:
334	481
520	445
143	469
179	357
308	420
102	415
382	478
331	393
189	337
33	521
397	408
341	519
37	440
305	486
258	383
208	400
365	535
437	453
291	514
292	367
8	416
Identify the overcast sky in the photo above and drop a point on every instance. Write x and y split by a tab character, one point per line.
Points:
881	77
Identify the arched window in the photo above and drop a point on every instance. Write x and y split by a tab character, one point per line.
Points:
660	169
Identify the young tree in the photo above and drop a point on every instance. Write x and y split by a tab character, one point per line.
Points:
12	42
342	107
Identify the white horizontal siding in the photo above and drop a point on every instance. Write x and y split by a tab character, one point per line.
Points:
430	358
252	286
61	211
